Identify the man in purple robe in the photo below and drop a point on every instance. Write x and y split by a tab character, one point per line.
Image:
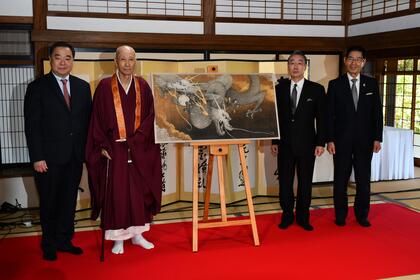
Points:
123	160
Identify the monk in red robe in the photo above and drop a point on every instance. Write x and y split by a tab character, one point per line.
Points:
123	160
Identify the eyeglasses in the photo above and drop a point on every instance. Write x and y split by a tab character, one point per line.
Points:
355	59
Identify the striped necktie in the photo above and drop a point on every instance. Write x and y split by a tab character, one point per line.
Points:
354	93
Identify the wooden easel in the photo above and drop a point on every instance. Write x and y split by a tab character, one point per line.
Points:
220	149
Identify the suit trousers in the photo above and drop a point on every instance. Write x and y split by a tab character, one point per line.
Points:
343	162
57	190
304	166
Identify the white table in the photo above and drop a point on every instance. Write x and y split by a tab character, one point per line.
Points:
395	161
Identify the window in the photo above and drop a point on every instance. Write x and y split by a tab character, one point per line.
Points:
132	7
13	83
16	71
324	10
15	42
404	94
401	93
417	100
367	8
166	7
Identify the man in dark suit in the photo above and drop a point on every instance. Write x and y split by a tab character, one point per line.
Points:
354	132
57	113
300	108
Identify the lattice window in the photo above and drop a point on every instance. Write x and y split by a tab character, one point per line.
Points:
89	6
135	7
418	4
15	43
403	94
13	83
417	101
280	9
166	7
368	8
401	88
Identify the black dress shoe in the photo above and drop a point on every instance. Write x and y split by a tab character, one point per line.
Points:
364	223
340	223
71	249
306	226
285	224
49	255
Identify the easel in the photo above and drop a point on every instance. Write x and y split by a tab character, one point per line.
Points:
220	149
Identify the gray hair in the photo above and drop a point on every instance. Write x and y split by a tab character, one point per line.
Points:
298	52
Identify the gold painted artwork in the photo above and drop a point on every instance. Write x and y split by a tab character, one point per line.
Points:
202	107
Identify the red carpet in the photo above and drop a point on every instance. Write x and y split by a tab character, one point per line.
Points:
391	247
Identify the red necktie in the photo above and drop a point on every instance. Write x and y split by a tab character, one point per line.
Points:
66	93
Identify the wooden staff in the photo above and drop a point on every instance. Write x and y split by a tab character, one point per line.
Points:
102	257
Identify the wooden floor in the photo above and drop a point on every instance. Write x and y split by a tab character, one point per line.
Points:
403	192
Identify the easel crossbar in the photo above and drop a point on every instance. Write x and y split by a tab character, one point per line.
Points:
225	224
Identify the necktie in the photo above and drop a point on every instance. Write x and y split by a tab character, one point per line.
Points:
354	92
294	98
66	93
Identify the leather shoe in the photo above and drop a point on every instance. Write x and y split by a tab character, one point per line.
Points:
285	224
306	226
49	255
340	223
71	249
364	223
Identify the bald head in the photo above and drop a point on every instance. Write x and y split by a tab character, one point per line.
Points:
125	60
124	50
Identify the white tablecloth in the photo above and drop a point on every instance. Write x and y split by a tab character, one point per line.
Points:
394	161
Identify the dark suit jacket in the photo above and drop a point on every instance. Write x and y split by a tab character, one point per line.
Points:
298	132
53	132
348	128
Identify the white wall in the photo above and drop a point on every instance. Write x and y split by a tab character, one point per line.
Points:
191	27
125	25
253	29
385	25
16	8
21	189
323	68
140	55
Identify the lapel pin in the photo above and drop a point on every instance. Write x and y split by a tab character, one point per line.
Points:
364	85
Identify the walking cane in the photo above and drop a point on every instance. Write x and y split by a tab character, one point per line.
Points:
102	257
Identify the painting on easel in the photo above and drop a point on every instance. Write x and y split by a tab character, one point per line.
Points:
203	107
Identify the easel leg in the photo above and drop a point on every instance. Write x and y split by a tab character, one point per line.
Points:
208	188
249	196
195	200
221	188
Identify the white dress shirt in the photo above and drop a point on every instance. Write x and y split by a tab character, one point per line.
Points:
298	89
357	83
60	83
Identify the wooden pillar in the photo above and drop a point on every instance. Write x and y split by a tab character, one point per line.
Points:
40	8
346	16
209	15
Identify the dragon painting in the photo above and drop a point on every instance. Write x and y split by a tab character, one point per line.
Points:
212	101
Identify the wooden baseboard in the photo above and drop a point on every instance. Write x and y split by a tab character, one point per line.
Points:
16	20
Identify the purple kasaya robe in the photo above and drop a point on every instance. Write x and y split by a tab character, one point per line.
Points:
130	194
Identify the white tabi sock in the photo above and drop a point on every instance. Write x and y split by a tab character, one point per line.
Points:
138	239
118	247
